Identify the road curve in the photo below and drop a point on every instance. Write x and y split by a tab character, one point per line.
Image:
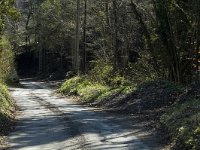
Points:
47	121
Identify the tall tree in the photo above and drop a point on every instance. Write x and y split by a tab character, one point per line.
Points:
77	43
84	37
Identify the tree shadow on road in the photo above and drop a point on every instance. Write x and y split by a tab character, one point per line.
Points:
71	125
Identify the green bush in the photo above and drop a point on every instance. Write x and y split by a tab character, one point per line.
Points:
102	72
6	59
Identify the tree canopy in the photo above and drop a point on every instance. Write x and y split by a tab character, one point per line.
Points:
135	39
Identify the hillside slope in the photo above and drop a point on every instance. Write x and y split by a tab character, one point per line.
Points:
164	107
6	113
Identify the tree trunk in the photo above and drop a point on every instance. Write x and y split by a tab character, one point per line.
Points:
146	34
84	38
117	61
77	49
168	39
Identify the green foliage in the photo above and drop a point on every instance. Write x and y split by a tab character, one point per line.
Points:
83	87
54	26
104	73
7	9
183	123
89	90
177	17
101	72
5	103
6	59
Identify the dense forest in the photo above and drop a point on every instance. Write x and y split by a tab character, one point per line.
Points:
137	40
111	47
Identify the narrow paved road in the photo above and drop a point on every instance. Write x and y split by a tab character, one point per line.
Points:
47	121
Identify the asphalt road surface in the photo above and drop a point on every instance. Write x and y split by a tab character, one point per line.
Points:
47	121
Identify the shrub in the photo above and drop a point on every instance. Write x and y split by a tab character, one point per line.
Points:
102	72
6	59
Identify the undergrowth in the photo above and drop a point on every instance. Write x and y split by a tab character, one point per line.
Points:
6	59
6	113
183	124
90	90
6	104
176	111
6	73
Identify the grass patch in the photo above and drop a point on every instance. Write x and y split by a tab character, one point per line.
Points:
5	103
89	90
6	111
183	124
